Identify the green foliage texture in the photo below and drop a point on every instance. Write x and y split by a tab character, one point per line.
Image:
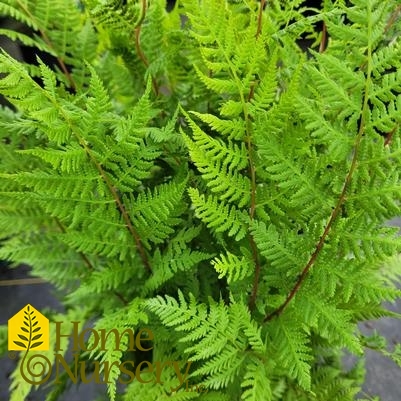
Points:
197	173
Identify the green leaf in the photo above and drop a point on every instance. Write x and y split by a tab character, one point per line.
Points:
20	344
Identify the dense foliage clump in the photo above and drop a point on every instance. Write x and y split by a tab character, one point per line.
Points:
196	173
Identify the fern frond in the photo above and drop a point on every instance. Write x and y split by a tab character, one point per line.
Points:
267	89
114	15
299	183
385	58
27	97
222	369
105	279
63	266
223	355
334	323
332	134
341	87
293	349
233	128
53	33
68	159
218	85
177	258
256	383
231	108
233	267
218	215
10	8
154	213
253	180
112	352
375	245
36	42
220	165
278	248
331	385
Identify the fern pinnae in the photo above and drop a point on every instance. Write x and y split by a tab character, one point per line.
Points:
238	86
265	194
232	266
48	41
118	202
256	382
13	11
233	128
26	40
218	215
68	159
342	197
176	258
222	175
73	130
110	356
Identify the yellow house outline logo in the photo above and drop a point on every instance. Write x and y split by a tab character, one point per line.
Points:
28	330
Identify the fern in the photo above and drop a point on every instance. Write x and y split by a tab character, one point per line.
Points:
218	215
232	266
220	166
194	172
176	258
223	354
116	320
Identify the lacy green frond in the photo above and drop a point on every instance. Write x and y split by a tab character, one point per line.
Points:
105	279
335	324
293	350
115	16
62	267
233	128
233	267
199	171
176	258
377	245
220	165
267	90
119	338
332	384
25	39
285	252
68	36
219	216
222	355
256	382
68	159
156	212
